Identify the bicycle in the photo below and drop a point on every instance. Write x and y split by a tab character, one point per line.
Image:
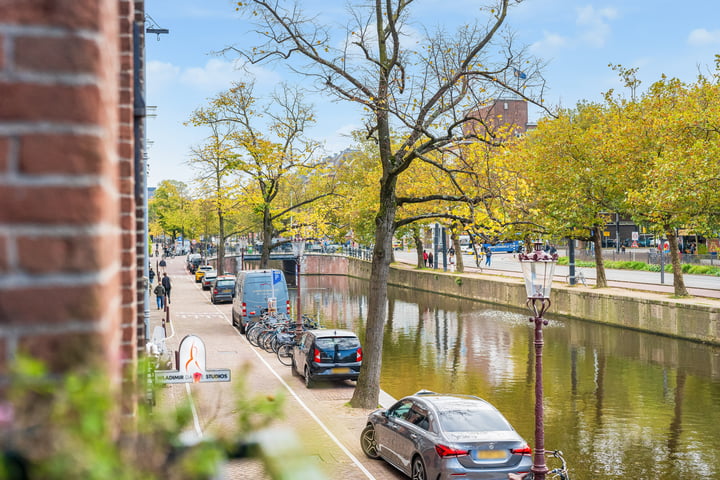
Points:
560	473
579	277
286	343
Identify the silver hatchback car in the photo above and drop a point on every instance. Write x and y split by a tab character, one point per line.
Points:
441	436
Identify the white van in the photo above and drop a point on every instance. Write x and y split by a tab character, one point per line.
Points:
254	291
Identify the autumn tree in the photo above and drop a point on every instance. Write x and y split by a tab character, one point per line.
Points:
170	209
675	127
214	162
266	152
422	90
575	175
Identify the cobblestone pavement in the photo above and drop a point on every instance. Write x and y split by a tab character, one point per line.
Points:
319	419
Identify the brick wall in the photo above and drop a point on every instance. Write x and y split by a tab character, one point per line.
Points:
68	262
500	112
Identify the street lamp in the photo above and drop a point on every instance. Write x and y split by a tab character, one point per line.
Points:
538	268
298	249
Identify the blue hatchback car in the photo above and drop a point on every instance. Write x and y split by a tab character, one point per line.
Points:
442	436
327	354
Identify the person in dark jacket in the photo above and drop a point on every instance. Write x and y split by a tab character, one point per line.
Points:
160	296
167	285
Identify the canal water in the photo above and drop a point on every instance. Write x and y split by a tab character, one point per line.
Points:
618	403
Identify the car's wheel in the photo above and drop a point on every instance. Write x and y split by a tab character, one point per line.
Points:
367	442
418	469
234	318
308	379
241	325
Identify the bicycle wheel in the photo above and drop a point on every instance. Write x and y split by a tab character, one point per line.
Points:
252	336
284	354
266	341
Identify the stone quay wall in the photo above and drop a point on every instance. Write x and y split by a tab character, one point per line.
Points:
696	319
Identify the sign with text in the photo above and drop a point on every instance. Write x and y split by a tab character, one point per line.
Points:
191	365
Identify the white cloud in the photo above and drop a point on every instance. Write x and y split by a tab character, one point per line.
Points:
215	75
701	37
160	75
549	43
595	23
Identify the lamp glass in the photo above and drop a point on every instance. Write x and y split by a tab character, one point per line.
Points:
538	275
298	247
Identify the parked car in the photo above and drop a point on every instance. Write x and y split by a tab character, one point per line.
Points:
468	249
431	435
201	271
193	260
207	279
327	354
223	289
253	291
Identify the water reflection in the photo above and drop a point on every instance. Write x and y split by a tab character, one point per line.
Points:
618	403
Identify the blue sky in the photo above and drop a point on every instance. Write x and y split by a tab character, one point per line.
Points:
577	39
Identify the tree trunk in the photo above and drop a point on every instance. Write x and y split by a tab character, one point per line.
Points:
418	247
678	281
600	278
367	391
459	265
221	246
267	238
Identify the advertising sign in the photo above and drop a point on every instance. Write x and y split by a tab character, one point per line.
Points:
191	365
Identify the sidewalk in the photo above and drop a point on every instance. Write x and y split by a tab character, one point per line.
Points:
319	419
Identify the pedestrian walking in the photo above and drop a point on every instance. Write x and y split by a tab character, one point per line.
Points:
160	296
163	265
488	256
151	275
425	258
430	260
167	285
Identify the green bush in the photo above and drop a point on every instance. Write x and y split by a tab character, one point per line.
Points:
72	426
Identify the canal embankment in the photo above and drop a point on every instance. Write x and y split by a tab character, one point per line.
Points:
693	318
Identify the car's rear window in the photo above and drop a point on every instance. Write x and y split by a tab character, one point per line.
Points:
343	343
225	283
473	420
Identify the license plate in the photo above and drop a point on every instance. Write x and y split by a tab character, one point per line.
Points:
340	370
225	290
490	454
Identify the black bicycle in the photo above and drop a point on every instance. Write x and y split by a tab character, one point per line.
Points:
560	473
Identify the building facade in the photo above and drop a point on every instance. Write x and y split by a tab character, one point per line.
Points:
72	231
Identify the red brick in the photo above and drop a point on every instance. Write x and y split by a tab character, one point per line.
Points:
128	335
52	305
56	205
4	154
66	54
58	13
64	351
65	154
3	254
56	255
50	103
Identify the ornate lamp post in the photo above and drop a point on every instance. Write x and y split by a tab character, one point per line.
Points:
298	249
538	268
